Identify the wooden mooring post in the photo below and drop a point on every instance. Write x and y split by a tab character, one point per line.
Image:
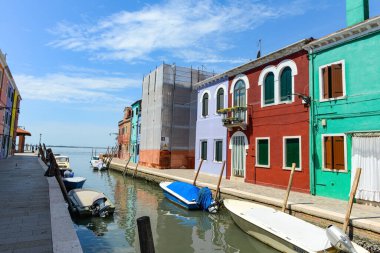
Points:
196	175
217	194
145	235
289	187
351	200
126	166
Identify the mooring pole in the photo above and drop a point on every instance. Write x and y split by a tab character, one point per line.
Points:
126	166
289	187
145	235
219	181
352	197
199	168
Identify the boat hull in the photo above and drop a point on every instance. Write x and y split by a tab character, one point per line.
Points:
74	183
177	198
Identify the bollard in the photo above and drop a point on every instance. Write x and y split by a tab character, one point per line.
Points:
145	235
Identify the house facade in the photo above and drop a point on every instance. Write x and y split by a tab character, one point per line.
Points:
135	131
9	109
124	135
211	135
345	115
168	117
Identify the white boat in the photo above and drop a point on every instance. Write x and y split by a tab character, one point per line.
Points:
63	162
86	202
97	163
282	231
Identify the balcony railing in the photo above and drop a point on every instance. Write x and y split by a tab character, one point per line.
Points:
234	117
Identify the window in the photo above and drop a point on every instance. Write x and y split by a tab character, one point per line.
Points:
204	150
292	151
269	89
239	93
334	152
219	99
286	85
218	155
332	84
139	126
205	105
262	152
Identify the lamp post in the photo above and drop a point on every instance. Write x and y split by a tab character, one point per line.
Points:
40	138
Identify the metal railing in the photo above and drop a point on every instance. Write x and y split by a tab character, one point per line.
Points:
233	116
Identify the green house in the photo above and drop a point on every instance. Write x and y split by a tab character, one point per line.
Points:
135	131
345	110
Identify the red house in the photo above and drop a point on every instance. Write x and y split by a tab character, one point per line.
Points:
124	135
268	119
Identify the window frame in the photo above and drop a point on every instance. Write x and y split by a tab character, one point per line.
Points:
280	85
201	149
221	155
257	152
274	89
217	99
284	138
323	152
321	84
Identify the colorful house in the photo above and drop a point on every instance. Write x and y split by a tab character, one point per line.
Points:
345	115
124	135
211	136
135	131
268	119
9	107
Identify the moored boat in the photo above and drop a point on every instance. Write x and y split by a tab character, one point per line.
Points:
282	231
90	203
63	162
97	163
189	196
73	182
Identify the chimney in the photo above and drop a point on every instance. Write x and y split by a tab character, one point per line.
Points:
356	11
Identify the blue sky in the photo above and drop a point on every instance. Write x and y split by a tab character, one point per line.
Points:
77	63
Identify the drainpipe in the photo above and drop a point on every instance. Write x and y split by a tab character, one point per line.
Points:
312	128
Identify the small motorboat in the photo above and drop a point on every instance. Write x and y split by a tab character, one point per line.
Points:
285	232
86	202
63	162
73	182
189	196
97	163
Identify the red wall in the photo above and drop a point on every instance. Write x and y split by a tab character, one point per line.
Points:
275	122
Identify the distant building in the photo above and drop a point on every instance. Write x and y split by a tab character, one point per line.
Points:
124	135
135	131
345	116
9	109
168	117
211	135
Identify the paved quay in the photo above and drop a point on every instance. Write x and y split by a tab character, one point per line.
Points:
34	216
322	211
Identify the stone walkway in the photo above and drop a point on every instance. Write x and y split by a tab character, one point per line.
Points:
33	214
365	217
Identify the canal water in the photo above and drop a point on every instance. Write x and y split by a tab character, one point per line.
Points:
175	230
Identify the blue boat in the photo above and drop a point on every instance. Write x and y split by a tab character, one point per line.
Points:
73	182
189	196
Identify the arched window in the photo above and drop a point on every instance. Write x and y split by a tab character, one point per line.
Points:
286	84
239	94
220	99
205	105
269	89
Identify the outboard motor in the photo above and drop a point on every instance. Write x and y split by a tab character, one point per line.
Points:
99	206
339	240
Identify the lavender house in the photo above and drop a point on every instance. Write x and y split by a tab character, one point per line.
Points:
211	136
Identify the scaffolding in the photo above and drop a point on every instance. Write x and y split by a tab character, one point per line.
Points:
169	110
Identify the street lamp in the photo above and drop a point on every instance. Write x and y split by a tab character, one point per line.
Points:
40	138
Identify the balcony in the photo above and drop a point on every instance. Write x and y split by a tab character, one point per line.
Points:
234	117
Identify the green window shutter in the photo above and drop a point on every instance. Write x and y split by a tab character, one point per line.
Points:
218	151
263	152
204	150
292	152
205	105
286	84
220	99
269	89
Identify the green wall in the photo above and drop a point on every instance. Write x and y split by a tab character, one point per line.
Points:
358	111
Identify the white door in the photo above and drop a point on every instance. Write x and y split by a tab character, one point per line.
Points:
238	156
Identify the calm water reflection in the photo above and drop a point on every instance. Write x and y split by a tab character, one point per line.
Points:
174	229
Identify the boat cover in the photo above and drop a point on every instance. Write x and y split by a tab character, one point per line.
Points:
185	190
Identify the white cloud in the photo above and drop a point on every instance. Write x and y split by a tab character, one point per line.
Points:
171	26
79	88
